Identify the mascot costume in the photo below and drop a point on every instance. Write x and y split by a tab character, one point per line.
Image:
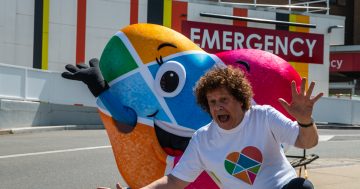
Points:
144	88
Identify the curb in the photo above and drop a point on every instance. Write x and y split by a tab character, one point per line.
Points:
49	128
333	164
333	126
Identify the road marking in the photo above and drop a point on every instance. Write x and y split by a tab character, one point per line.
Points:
321	138
53	152
325	137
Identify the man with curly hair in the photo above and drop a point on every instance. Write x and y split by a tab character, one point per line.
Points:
241	147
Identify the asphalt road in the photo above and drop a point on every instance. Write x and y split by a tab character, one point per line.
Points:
57	160
82	159
340	144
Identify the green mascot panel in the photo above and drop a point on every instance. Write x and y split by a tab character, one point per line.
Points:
116	60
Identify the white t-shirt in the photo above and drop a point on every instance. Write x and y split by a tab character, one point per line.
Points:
248	156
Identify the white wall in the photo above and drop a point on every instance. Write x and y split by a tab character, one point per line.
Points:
16	32
103	19
263	15
62	33
194	10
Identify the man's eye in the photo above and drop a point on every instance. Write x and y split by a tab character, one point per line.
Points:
224	100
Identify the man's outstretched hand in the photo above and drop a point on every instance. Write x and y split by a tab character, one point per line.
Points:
90	75
302	103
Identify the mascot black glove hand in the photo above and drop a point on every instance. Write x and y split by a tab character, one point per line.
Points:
91	76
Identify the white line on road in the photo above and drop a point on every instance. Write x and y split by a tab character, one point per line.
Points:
53	152
321	138
325	137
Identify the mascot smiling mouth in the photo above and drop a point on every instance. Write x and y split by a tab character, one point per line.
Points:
172	144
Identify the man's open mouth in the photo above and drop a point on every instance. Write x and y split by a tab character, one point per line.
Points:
223	118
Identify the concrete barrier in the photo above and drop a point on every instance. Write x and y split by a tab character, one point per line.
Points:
19	114
335	110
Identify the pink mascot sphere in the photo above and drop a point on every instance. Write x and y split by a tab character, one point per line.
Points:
269	75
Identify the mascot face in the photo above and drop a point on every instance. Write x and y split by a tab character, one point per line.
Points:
151	71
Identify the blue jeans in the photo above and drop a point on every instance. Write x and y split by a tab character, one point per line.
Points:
298	183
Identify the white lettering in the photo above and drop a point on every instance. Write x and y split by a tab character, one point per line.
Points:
283	46
311	46
336	64
194	34
333	63
292	44
227	38
268	42
210	41
238	40
339	63
257	45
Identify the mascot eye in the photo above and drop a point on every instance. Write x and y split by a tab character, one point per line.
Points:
170	79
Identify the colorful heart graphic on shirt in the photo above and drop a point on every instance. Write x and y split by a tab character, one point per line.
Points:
244	165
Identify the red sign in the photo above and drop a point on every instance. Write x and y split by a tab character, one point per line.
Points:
345	62
291	46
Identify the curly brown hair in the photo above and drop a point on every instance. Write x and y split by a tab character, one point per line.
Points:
230	78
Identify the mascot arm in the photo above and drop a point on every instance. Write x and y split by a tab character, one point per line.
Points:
91	76
118	111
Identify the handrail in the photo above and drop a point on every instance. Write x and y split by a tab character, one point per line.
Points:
290	6
306	4
258	20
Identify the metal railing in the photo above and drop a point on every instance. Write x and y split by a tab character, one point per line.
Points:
301	6
308	3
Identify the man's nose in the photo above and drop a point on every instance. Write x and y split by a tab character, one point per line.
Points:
219	106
